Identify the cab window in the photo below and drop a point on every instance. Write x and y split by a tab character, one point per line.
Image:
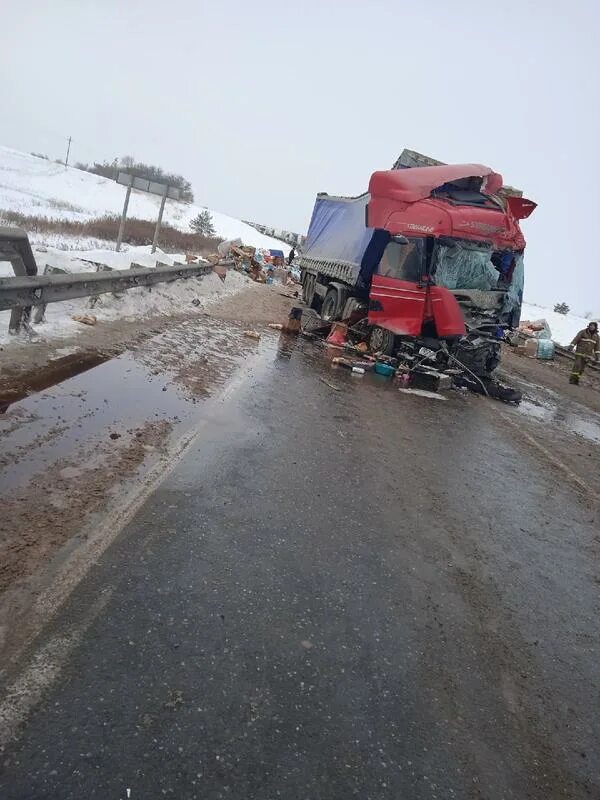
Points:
404	262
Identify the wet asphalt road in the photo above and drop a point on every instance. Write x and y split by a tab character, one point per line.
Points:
335	594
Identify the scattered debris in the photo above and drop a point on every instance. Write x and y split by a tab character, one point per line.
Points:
538	328
294	324
431	380
417	363
423	393
115	435
85	319
277	326
338	334
331	385
381	368
252	334
221	271
260	264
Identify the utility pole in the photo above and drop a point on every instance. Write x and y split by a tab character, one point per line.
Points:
68	149
123	217
159	220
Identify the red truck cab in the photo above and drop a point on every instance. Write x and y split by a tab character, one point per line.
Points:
427	210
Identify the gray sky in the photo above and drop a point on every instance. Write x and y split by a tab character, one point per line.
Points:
262	105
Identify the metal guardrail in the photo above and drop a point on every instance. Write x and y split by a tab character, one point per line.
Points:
24	291
27	289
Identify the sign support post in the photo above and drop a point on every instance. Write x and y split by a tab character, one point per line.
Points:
123	217
159	220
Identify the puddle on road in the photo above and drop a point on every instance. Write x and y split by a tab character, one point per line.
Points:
83	398
59	369
568	417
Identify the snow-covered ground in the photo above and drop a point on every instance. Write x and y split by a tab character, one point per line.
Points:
32	185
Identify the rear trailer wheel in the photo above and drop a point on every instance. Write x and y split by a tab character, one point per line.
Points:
330	309
308	288
381	341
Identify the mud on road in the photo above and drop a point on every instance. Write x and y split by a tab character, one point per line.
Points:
80	425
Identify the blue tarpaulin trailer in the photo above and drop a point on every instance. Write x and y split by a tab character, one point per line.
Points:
338	242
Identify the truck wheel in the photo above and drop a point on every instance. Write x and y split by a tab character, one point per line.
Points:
308	289
330	309
381	341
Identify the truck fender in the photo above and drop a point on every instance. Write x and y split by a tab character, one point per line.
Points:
352	305
342	291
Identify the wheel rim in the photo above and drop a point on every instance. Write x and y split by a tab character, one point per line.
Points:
378	339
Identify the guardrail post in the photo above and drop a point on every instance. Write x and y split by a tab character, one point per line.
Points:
15	247
39	311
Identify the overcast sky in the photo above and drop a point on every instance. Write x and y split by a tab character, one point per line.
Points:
261	105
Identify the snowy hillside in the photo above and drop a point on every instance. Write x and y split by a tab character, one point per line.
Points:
32	185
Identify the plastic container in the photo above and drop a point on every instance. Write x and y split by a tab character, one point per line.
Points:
384	369
545	349
358	370
531	347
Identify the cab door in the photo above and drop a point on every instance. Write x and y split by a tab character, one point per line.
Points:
399	306
397	298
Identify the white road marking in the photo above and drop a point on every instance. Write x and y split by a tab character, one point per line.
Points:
37	677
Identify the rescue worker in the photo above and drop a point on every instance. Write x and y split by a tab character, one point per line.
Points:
586	345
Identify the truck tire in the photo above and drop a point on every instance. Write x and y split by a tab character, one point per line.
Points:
381	341
308	289
330	310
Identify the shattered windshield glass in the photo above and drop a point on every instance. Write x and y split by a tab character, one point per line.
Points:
461	266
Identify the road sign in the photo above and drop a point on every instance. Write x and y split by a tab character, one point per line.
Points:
146	185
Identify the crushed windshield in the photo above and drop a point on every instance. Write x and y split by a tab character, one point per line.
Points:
463	267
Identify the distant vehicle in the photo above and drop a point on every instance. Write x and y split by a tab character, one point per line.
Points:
432	252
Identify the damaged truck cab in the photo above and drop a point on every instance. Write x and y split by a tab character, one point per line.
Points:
432	251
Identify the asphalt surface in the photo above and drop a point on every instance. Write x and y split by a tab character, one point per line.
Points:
353	593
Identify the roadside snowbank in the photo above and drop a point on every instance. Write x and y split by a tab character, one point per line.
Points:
86	260
190	294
